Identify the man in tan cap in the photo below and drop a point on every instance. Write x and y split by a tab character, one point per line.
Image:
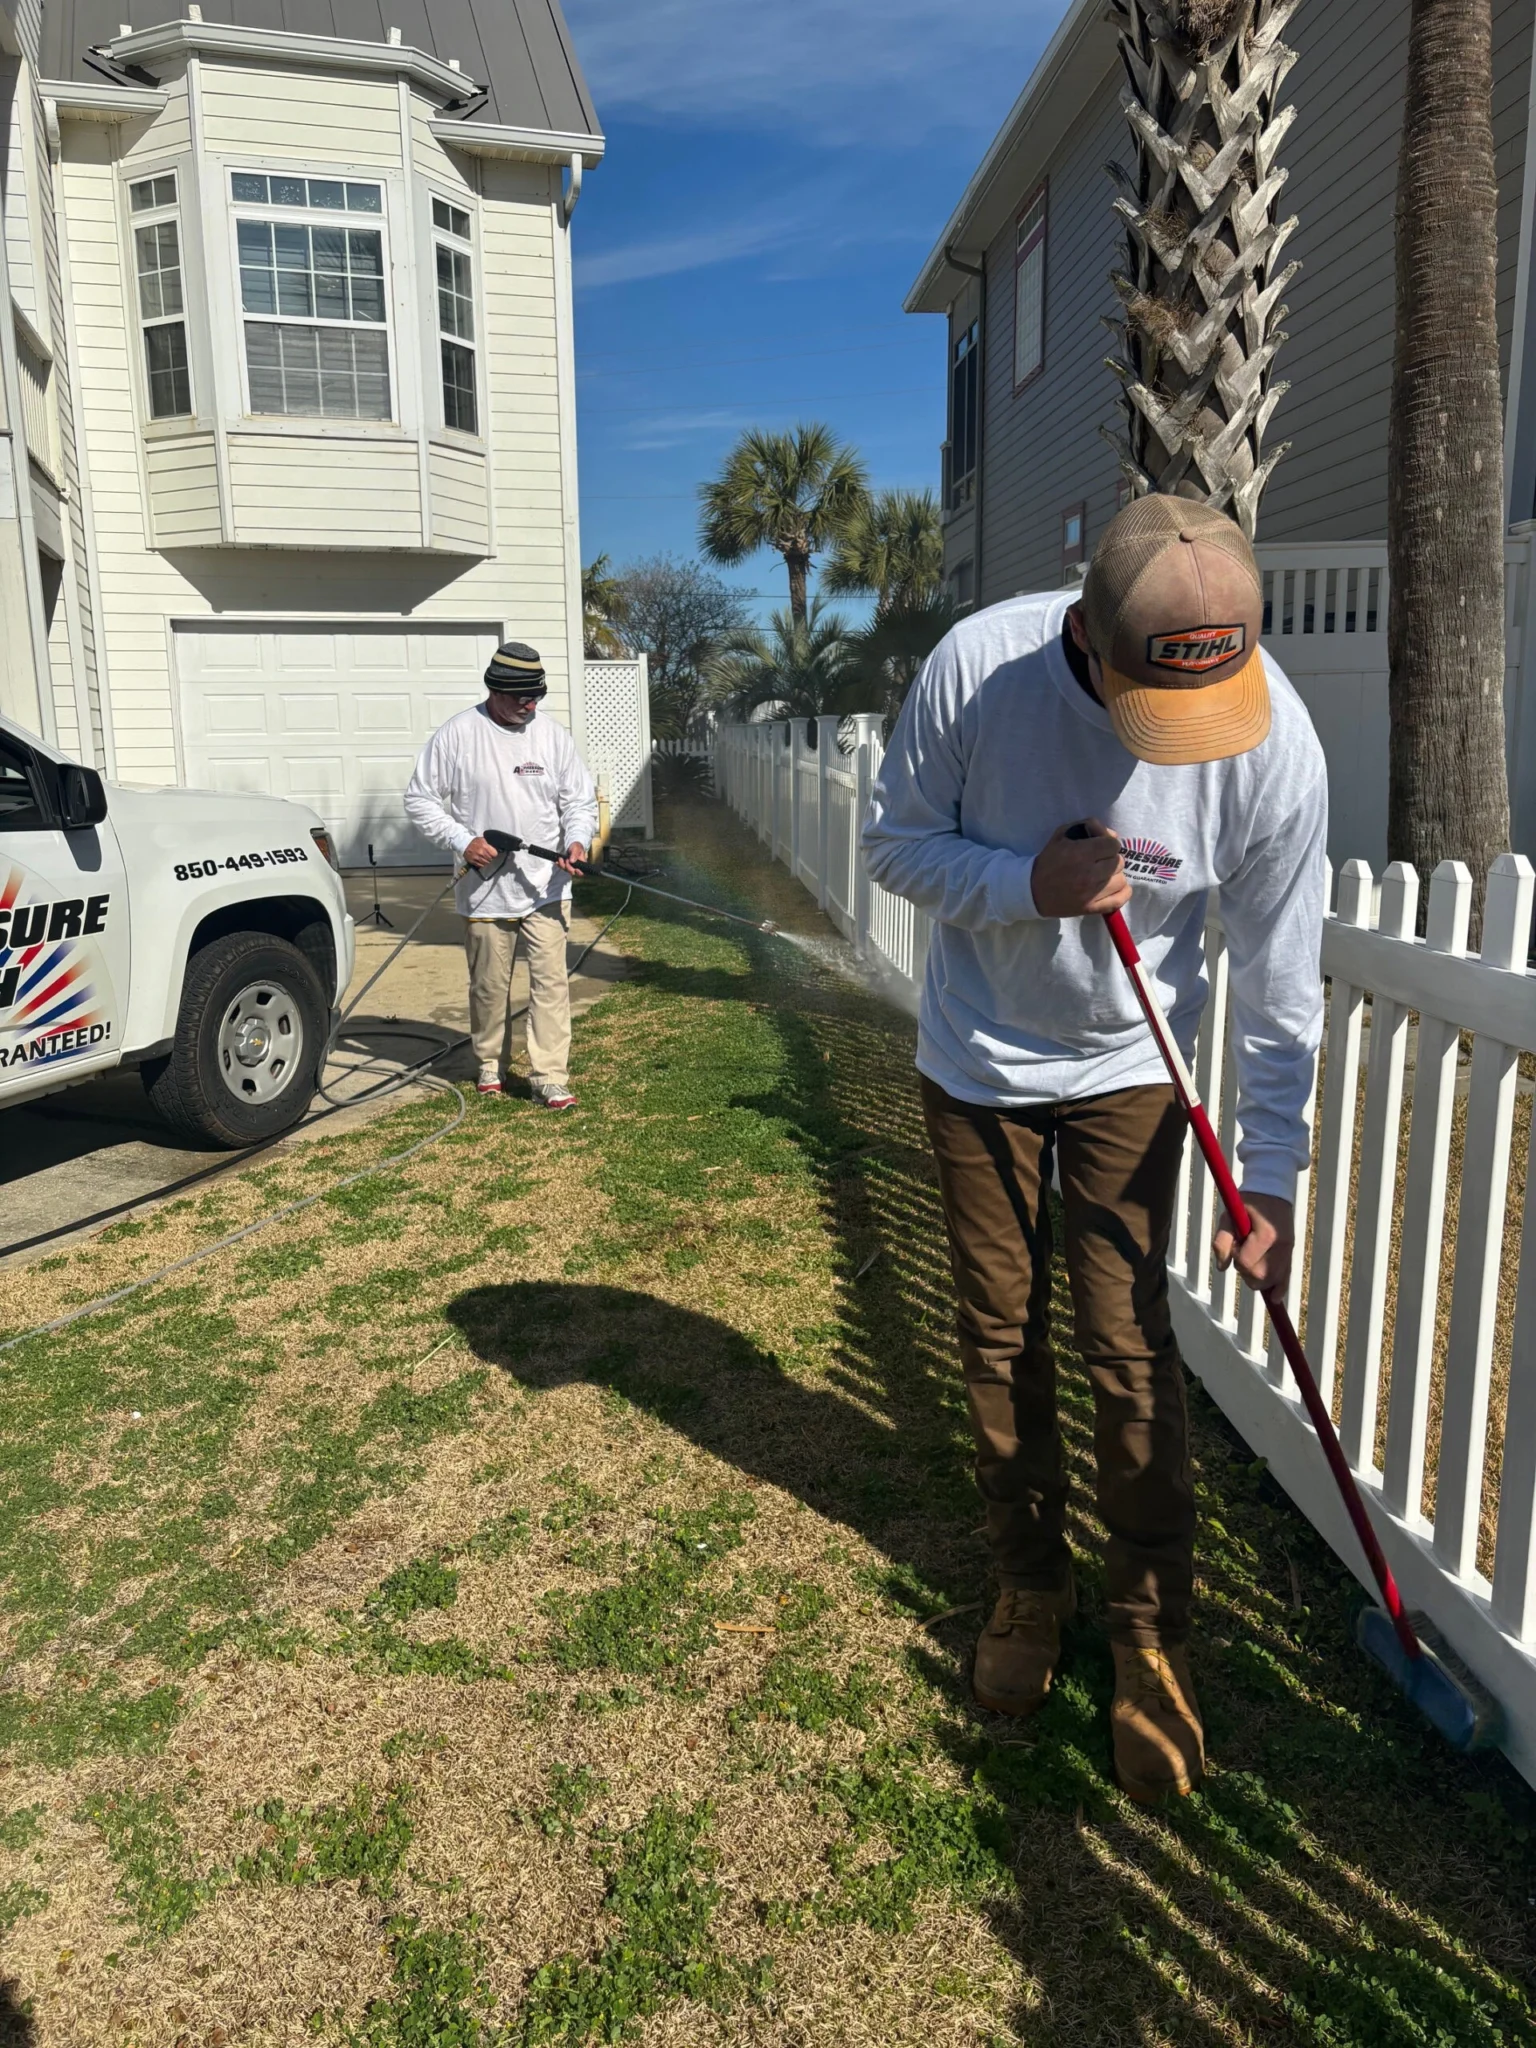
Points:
1148	712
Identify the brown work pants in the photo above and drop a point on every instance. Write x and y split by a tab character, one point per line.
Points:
1119	1160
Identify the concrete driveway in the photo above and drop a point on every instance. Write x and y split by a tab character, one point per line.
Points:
90	1155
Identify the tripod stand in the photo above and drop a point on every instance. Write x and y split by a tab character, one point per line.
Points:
376	915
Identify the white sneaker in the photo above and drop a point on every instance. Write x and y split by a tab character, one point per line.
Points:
553	1095
489	1082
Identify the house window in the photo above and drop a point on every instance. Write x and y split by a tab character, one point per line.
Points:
456	315
962	584
964	410
313	296
1029	291
1074	549
162	301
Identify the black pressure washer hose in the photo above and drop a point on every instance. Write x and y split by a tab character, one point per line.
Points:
506	844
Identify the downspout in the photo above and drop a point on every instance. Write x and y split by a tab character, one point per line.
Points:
979	272
565	357
572	192
21	467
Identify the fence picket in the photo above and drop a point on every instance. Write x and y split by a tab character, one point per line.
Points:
1429	1155
1277	1368
1480	1234
1208	1066
1340	1085
1378	1183
1514	1566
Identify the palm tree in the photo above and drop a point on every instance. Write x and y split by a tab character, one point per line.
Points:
892	550
794	492
803	670
887	655
602	612
1203	279
1448	797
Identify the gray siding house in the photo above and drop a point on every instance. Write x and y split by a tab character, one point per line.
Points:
1021	274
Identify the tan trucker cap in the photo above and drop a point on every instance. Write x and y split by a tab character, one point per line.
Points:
1173	604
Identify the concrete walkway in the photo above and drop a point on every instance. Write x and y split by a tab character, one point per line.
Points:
90	1155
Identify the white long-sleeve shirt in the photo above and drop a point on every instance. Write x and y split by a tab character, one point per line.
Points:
474	774
997	745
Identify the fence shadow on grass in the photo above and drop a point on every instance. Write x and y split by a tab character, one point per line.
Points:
1342	1877
16	2025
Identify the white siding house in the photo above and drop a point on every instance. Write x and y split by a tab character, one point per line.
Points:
310	369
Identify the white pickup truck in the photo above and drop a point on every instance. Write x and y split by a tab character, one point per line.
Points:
202	938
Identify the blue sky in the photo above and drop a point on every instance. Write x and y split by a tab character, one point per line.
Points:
774	178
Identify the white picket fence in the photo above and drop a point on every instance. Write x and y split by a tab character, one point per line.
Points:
1441	1429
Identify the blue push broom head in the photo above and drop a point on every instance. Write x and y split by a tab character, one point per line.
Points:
1437	1682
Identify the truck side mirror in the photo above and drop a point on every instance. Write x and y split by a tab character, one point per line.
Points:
82	797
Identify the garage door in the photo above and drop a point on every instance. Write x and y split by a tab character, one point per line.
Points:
333	718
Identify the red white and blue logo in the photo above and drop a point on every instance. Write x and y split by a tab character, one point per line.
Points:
51	1007
1148	860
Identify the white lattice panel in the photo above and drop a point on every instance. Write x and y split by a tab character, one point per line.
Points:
618	739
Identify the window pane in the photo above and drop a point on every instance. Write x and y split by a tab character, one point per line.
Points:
288	192
459	407
455	301
1029	314
441	213
170	382
284	368
365	257
364	199
247	186
327	192
330	250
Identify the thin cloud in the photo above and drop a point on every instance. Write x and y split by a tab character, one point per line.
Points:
698	249
674	430
889	71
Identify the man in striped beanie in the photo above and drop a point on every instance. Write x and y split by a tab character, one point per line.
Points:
500	767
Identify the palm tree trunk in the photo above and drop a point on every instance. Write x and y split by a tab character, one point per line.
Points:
798	561
1203	279
1448	794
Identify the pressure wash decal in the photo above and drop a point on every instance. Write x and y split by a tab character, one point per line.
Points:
55	993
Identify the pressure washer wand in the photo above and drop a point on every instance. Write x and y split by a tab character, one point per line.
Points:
507	842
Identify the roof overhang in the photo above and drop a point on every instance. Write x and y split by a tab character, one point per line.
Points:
1077	60
83	99
174	39
523	145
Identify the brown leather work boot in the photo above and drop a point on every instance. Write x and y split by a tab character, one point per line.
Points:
1159	1742
1019	1648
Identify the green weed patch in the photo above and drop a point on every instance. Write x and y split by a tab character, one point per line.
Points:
156	1878
659	1616
362	1838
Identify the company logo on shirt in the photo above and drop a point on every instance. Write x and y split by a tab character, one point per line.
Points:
1193	649
529	768
1148	860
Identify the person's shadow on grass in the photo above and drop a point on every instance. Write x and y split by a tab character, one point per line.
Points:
16	2025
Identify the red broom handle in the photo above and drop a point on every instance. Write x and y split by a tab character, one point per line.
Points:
1279	1314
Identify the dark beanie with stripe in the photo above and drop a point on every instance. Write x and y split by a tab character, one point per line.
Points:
516	667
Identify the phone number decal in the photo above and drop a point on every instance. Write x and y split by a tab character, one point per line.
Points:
200	870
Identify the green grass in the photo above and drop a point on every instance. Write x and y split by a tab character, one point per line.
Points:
572	1789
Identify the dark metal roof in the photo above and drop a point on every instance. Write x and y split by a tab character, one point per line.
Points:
519	50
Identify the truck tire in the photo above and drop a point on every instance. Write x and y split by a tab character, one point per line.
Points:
250	1038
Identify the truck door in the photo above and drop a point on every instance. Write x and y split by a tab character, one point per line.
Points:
64	937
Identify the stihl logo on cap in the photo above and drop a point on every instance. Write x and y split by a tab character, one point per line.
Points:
1194	649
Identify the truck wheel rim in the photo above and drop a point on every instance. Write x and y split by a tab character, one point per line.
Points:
261	1042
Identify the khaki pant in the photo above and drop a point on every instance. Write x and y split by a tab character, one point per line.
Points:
491	943
1119	1162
